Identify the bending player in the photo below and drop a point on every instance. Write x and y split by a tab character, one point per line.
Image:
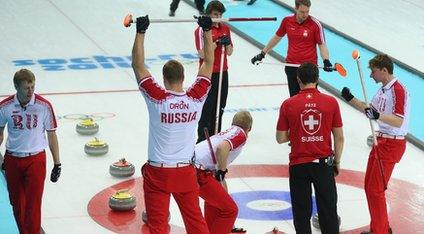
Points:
172	133
220	209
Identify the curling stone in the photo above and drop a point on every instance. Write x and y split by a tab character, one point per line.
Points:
87	127
370	140
315	221
145	219
122	168
122	200
96	147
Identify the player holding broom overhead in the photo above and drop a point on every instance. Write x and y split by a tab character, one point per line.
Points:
223	47
390	107
173	117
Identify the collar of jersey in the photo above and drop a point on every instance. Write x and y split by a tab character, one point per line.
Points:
217	26
30	103
390	84
176	93
309	90
295	21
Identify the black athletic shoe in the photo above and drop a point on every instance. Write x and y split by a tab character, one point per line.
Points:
171	13
238	230
251	2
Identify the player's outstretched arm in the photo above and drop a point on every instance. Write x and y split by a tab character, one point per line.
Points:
205	22
139	68
348	96
271	44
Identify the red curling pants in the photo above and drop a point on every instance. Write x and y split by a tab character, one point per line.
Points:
390	152
220	209
158	185
25	183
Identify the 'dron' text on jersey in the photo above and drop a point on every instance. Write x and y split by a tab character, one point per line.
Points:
182	116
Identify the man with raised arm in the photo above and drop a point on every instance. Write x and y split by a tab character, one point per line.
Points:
173	117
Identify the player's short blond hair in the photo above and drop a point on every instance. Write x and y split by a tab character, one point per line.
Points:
23	75
243	119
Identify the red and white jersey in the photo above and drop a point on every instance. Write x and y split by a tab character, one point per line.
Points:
173	119
234	135
393	98
302	39
309	117
27	125
217	32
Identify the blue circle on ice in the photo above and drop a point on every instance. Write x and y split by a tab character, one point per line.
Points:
265	205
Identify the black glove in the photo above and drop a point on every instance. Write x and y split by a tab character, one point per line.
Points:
346	94
54	176
205	22
328	67
142	24
258	57
372	113
220	175
223	40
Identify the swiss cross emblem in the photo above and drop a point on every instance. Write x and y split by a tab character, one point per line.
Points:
311	121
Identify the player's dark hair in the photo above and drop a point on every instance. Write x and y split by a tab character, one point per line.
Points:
173	71
23	75
298	3
215	6
381	61
308	73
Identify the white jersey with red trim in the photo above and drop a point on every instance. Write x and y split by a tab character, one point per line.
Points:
173	119
393	98
234	135
26	125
